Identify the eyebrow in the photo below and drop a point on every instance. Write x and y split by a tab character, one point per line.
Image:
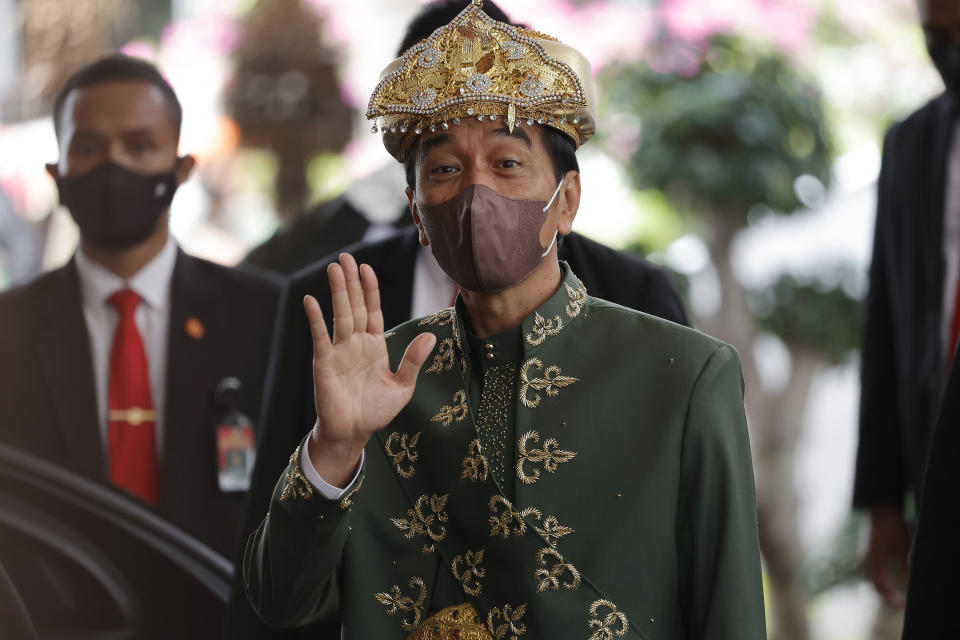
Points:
517	133
426	145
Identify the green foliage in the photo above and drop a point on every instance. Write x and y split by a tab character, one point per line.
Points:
736	133
811	315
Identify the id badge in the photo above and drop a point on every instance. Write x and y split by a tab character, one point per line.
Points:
235	456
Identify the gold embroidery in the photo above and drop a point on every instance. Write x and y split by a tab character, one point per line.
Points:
418	522
347	501
543	329
444	358
551	456
551	382
407	452
509	522
551	578
472	574
552	530
614	624
296	484
389	334
455	412
578	298
397	602
439	319
459	622
475	466
512	628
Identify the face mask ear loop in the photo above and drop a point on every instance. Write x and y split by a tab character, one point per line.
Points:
553	197
550	202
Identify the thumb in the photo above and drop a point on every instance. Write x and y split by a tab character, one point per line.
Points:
414	357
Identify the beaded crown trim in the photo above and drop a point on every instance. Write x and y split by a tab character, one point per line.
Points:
478	67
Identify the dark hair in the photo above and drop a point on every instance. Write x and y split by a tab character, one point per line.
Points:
562	152
118	67
439	13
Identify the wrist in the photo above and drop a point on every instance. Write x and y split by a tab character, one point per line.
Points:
334	460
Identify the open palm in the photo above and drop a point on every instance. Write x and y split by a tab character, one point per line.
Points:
355	392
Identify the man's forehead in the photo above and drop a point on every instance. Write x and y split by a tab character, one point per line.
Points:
116	105
472	132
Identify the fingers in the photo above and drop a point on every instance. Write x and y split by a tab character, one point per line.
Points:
371	298
355	292
318	328
342	313
888	576
416	354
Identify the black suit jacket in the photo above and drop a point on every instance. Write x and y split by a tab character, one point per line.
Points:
933	592
290	411
903	360
48	397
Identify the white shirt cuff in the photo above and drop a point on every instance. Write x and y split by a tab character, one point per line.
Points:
326	489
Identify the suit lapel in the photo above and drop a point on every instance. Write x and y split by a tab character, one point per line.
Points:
63	350
189	355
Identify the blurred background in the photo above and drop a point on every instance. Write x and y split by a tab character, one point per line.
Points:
739	146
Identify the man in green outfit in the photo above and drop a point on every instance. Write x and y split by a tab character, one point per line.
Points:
564	467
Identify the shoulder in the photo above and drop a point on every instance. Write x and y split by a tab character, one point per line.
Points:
608	319
919	125
40	290
243	280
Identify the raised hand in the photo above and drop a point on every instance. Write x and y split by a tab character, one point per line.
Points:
355	392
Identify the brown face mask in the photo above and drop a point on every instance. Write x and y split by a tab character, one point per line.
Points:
486	241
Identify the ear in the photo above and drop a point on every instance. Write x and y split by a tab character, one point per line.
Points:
568	201
52	170
185	166
411	200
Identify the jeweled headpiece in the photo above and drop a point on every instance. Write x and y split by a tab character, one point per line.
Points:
479	67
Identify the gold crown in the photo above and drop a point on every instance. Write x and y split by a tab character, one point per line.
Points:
479	67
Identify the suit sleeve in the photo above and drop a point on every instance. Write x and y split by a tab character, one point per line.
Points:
290	565
933	590
879	475
718	546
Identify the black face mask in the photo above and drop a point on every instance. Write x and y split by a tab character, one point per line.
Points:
114	207
945	54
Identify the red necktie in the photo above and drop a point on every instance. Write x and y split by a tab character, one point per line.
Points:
954	327
133	447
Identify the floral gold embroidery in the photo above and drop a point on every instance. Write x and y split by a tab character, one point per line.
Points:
511	628
418	522
454	412
551	382
296	484
407	452
553	570
389	334
460	621
578	298
439	319
552	530
396	602
508	522
543	329
444	358
613	625
472	572
551	456
347	501
475	466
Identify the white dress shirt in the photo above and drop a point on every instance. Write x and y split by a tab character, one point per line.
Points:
951	243
152	284
432	290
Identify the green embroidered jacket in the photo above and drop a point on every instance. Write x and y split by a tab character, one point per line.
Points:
633	515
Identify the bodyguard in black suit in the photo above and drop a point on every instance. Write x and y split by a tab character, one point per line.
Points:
905	356
118	123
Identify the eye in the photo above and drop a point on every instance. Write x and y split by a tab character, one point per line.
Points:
509	163
141	147
443	169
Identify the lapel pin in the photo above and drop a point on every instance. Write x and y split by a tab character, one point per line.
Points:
194	328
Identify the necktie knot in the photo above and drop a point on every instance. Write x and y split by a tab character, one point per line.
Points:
125	301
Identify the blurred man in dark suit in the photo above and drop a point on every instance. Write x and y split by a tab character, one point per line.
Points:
110	364
411	285
912	315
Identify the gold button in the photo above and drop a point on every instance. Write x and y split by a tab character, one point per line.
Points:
490	356
488	347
